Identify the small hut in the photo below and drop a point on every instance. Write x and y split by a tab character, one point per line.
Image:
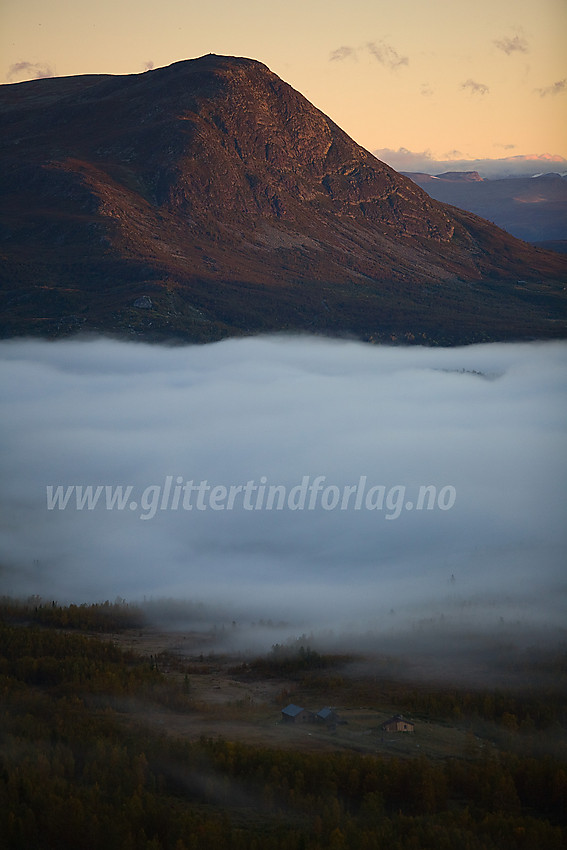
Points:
295	714
327	715
398	723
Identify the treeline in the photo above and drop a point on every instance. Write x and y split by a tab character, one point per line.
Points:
285	661
97	617
74	774
526	710
71	664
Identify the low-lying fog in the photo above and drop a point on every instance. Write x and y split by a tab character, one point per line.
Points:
325	445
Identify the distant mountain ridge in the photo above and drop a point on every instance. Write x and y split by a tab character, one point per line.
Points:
531	208
498	168
460	176
209	199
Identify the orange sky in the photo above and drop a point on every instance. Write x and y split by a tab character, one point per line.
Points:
482	80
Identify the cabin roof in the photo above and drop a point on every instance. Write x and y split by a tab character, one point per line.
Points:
398	718
292	710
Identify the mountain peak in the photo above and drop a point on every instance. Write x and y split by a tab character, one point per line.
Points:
212	63
222	195
220	60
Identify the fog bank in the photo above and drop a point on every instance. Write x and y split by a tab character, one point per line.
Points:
326	422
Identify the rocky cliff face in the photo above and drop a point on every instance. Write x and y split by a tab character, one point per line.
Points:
220	194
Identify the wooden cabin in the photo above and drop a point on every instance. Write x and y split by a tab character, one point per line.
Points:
296	714
398	723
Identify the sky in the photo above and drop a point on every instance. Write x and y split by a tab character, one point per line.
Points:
485	426
446	80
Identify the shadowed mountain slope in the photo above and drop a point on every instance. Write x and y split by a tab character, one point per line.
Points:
210	198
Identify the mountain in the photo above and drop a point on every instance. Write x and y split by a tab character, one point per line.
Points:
404	160
531	208
209	198
460	176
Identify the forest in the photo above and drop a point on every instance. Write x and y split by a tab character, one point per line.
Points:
77	769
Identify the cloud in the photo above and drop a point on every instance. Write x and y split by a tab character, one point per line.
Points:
488	421
29	70
403	159
453	155
386	55
474	87
508	45
557	88
426	90
343	52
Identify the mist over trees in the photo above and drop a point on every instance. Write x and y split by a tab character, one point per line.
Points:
74	771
